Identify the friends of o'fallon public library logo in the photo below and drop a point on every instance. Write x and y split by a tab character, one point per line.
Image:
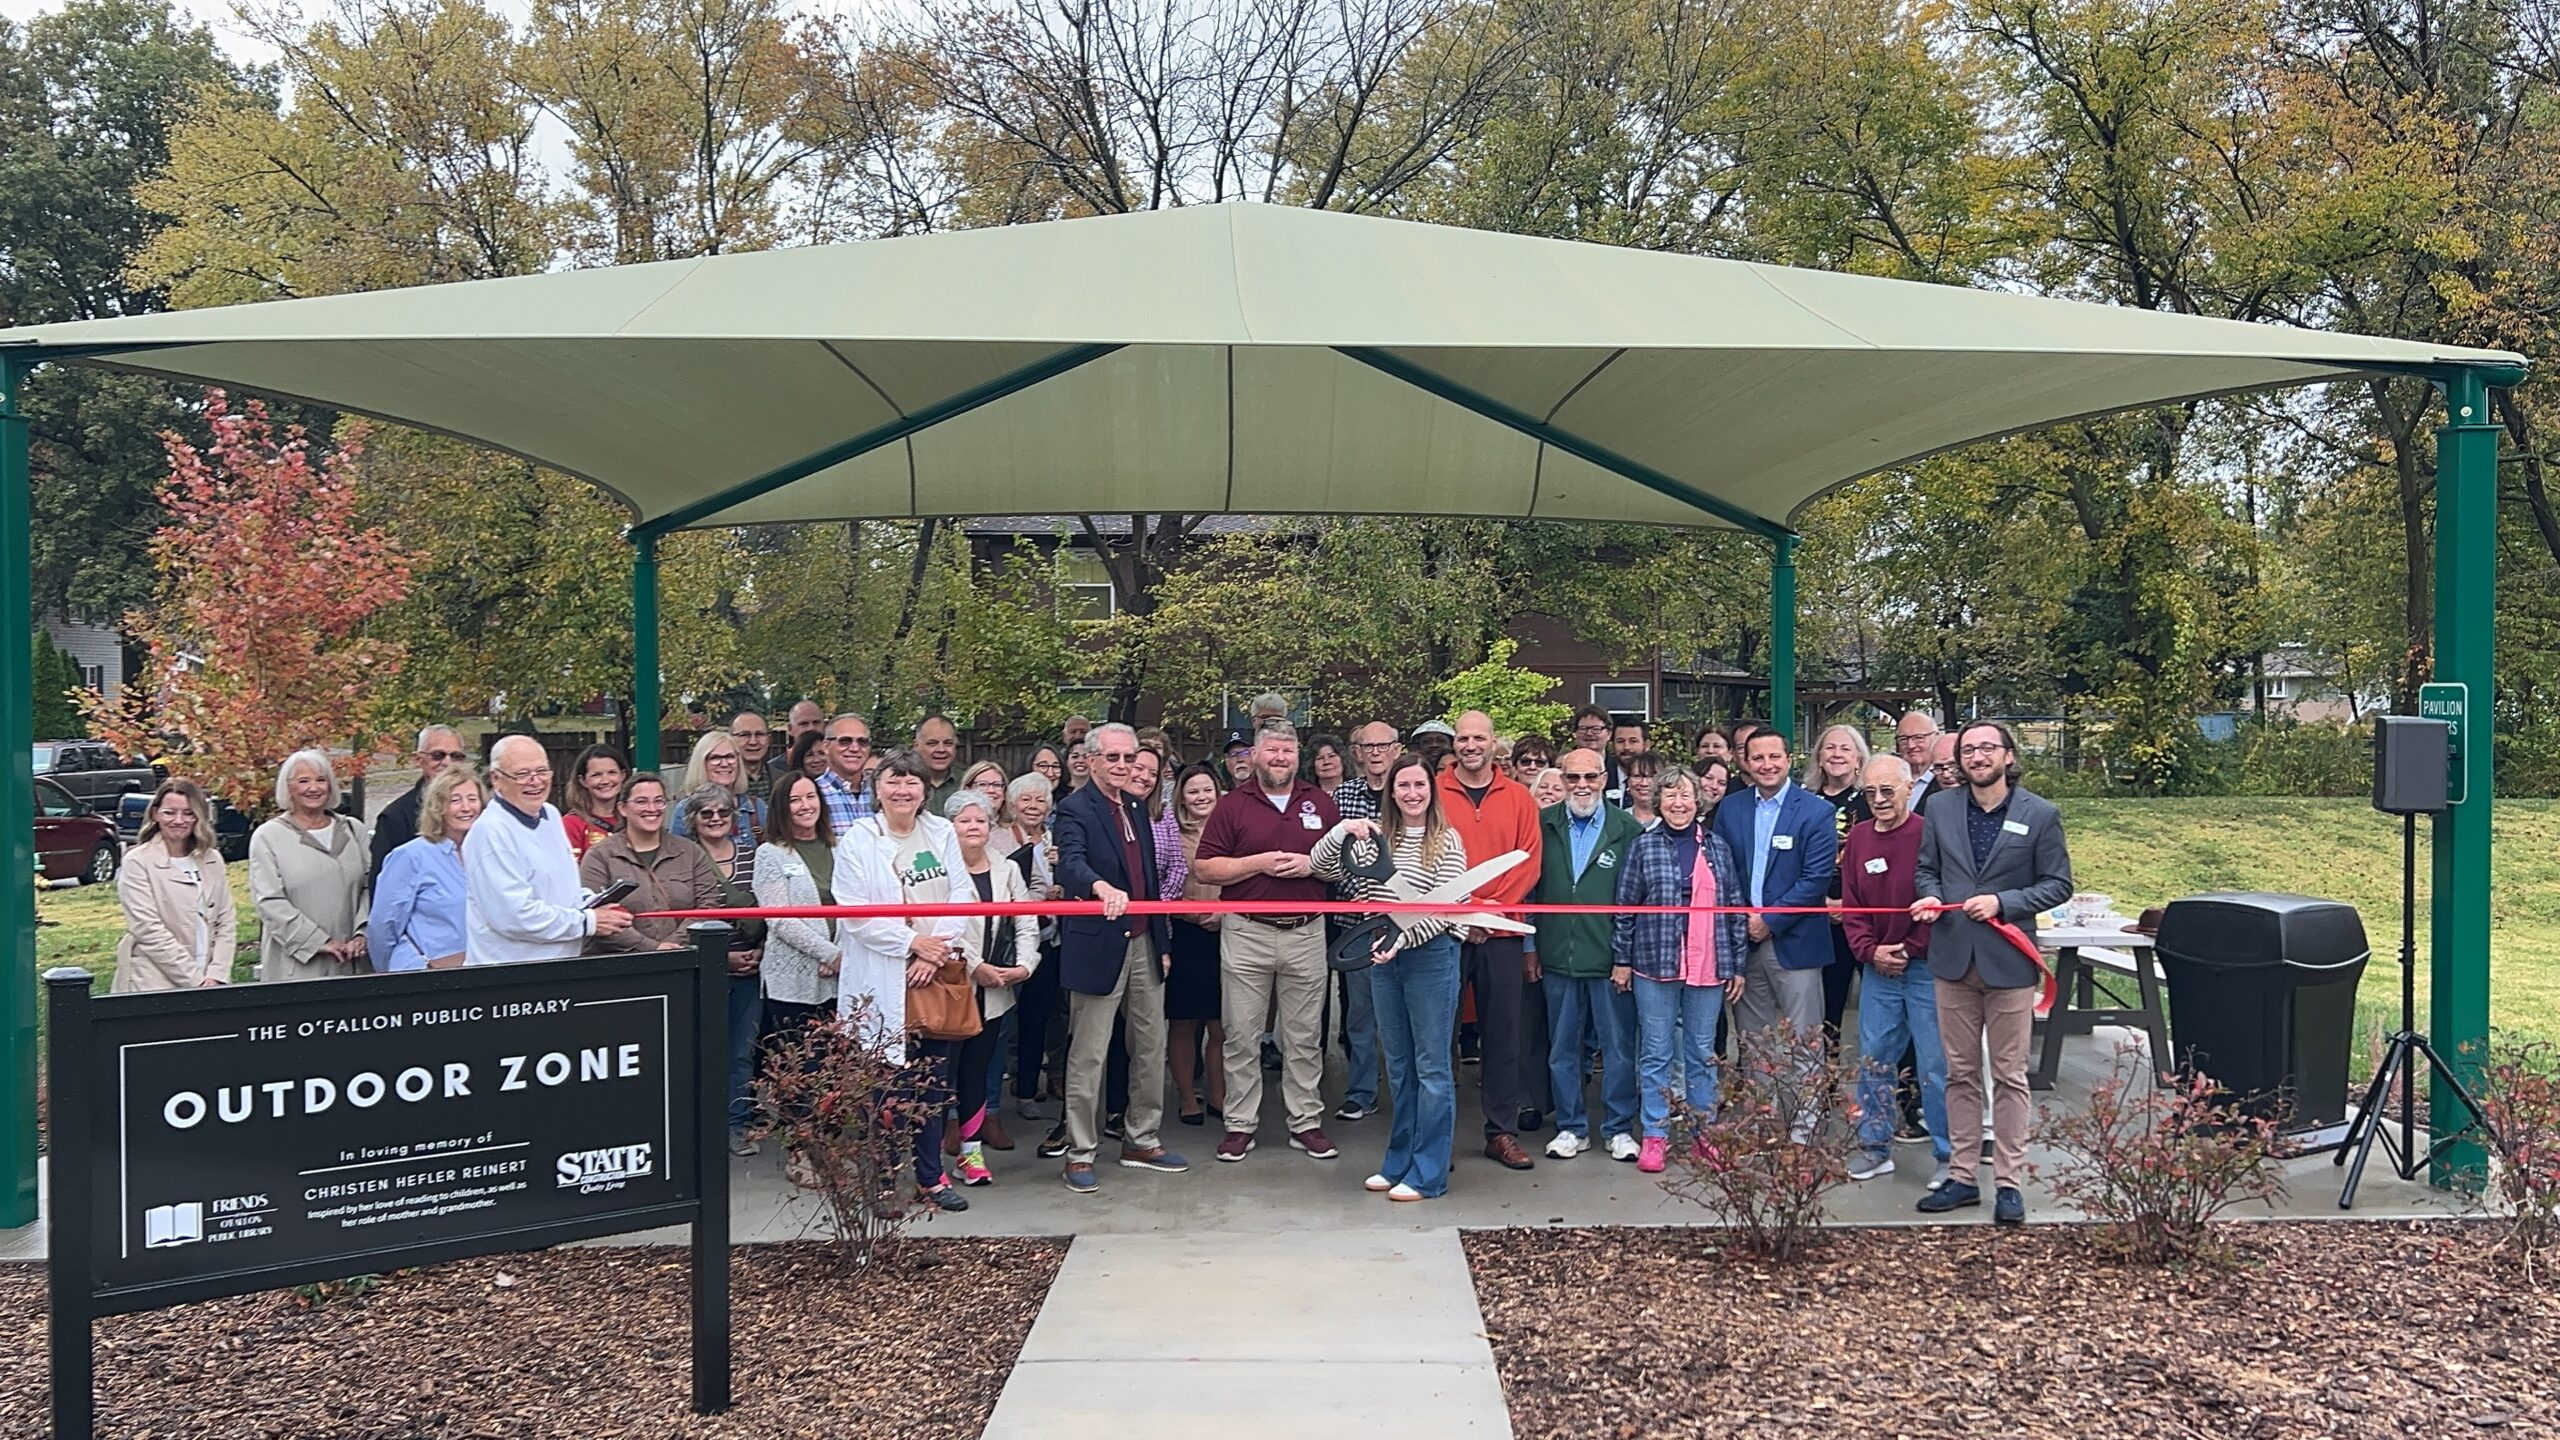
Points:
235	1217
924	869
594	1172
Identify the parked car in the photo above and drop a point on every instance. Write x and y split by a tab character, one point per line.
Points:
74	842
230	827
93	772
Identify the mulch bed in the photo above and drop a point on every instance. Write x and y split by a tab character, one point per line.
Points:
569	1344
2327	1330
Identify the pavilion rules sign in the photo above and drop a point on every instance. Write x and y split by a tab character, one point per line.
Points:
215	1142
348	1123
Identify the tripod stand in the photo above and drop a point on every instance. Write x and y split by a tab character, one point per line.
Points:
2400	1060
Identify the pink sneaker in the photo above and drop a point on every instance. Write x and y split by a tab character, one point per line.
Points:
973	1170
1706	1154
1650	1156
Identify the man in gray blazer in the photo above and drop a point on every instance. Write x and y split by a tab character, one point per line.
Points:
1995	851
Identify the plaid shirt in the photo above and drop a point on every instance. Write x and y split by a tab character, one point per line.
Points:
1356	801
846	803
1654	875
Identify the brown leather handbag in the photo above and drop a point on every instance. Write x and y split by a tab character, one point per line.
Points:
945	1007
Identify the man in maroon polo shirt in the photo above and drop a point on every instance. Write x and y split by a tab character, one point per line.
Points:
1254	847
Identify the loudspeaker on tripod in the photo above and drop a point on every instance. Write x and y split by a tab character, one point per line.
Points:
2412	759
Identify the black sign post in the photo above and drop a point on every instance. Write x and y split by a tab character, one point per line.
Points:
232	1139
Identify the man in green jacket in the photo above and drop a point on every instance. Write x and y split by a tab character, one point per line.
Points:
1586	843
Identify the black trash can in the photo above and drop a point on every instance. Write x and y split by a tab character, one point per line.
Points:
2262	997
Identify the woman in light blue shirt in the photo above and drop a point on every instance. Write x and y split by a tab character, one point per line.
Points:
418	899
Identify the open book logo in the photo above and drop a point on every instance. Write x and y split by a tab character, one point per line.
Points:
166	1225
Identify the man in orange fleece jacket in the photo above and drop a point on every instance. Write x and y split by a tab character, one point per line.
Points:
1494	815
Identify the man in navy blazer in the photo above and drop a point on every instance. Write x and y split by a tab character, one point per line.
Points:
1111	963
1786	841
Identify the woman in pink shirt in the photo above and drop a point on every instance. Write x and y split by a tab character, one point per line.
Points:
1681	973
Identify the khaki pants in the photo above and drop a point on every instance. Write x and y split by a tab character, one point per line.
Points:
1258	966
1140	993
1968	1010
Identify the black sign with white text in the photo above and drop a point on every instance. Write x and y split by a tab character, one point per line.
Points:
336	1120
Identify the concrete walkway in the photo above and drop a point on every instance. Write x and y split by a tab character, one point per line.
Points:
1240	1336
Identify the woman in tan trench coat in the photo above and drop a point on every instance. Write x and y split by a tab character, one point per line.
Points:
180	928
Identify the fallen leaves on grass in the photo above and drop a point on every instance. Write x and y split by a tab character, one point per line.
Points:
570	1344
2345	1330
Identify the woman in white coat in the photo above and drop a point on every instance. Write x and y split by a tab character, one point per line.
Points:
1002	951
307	877
899	854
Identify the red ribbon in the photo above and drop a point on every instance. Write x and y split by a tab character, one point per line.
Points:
2023	942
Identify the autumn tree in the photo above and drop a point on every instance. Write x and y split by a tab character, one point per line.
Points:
258	645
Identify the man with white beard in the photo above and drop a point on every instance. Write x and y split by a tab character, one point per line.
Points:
1585	846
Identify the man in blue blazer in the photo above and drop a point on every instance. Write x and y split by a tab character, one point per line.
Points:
1787	842
1117	961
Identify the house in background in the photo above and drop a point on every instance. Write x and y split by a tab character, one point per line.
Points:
1660	689
98	650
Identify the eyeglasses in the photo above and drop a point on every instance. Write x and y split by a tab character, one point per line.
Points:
1117	757
715	812
1582	777
860	741
1987	747
530	772
1373	746
445	756
1879	792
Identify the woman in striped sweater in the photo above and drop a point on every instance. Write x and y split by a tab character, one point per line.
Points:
1416	979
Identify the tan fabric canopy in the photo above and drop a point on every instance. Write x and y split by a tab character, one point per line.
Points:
1243	358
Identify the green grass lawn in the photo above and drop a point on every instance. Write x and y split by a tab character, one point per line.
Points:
2148	852
2142	852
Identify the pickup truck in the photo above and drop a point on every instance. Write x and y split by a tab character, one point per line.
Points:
93	772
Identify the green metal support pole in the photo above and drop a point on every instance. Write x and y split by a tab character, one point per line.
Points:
17	798
646	708
1782	638
2466	602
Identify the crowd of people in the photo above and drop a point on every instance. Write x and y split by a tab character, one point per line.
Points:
1837	871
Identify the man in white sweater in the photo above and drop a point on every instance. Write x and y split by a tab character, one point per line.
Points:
522	899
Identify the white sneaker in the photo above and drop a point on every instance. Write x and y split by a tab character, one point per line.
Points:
1623	1147
1566	1145
1800	1132
1869	1165
1378	1184
1404	1192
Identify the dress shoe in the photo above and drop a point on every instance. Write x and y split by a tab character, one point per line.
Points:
1954	1195
1504	1150
991	1131
2008	1207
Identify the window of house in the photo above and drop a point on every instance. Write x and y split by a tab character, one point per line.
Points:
1084	586
1635	700
94	677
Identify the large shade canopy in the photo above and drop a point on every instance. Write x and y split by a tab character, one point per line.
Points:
1241	358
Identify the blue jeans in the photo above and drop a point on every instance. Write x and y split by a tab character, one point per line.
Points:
1359	1040
1662	1007
1000	1050
1894	1010
1584	1014
1417	1005
746	1024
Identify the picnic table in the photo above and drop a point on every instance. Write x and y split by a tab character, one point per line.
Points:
2079	952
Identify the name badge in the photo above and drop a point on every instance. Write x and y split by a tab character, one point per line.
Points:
1782	842
1605	860
1312	821
2014	827
1876	866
